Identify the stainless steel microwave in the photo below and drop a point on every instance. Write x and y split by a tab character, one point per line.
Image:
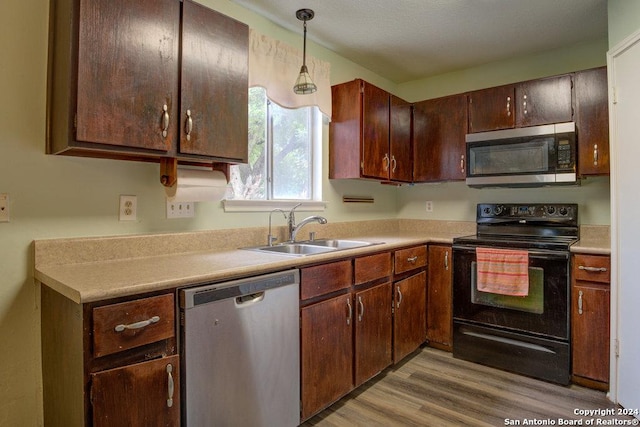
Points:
532	156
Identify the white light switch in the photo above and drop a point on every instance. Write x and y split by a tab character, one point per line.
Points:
4	207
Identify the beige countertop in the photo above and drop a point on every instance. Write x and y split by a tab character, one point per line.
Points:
594	239
94	269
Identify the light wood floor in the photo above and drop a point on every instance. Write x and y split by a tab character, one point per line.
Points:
434	389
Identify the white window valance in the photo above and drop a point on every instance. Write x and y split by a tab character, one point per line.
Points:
275	65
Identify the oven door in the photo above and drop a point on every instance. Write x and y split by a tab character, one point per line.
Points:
528	335
543	312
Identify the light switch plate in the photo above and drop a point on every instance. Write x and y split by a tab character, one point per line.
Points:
4	207
180	210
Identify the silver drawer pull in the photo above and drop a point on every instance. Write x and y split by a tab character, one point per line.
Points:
595	155
413	259
593	269
138	325
361	309
399	297
350	316
170	386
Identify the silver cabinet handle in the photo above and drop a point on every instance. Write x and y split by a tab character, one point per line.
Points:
580	302
165	120
462	163
399	297
189	125
350	311
361	309
170	387
446	260
394	163
413	259
524	104
508	106
592	269
595	154
138	325
385	160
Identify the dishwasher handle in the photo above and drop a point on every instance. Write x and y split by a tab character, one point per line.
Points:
251	289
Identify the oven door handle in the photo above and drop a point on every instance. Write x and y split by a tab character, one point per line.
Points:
537	254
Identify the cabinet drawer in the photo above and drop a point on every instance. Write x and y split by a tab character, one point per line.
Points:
324	279
410	258
130	324
592	268
372	267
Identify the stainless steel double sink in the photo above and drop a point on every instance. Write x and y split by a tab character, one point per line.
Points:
312	247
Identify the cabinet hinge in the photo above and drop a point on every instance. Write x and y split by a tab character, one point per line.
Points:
617	347
614	95
75	121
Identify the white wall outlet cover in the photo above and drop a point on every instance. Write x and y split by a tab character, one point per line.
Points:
429	206
4	207
128	208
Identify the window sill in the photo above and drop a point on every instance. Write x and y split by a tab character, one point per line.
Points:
269	205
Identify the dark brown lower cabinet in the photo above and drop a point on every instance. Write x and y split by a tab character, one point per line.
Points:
590	330
439	298
137	395
372	331
326	352
409	322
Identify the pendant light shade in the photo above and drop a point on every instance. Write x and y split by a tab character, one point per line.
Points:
304	85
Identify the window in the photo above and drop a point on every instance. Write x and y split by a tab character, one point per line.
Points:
283	150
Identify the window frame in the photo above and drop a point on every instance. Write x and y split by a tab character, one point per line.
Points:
314	203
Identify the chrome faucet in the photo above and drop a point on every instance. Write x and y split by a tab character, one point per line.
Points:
270	237
293	228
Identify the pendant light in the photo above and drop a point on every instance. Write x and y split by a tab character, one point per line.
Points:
304	85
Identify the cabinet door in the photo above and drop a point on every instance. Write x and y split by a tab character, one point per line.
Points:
144	394
439	146
376	160
214	84
544	101
410	315
590	330
128	73
372	331
592	121
326	353
400	141
492	109
439	297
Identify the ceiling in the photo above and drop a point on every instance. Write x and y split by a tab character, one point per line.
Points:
404	40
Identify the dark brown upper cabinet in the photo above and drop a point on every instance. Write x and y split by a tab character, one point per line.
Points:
592	121
147	79
530	103
369	134
439	139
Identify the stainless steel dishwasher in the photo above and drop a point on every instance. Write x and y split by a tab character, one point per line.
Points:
241	353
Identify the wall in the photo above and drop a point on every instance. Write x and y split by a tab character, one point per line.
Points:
56	196
624	19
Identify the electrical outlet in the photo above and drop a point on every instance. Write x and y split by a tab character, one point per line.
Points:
429	206
180	210
128	208
4	207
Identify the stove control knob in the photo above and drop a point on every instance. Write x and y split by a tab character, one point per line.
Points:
498	209
486	210
563	211
551	210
